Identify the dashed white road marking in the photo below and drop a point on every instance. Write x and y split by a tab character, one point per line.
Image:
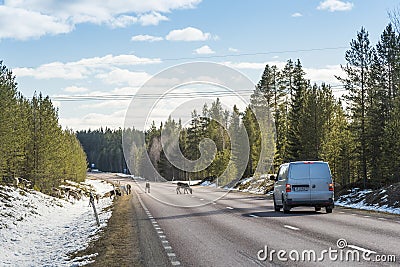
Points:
383	219
341	212
164	241
367	216
254	216
354	214
201	198
291	227
230	208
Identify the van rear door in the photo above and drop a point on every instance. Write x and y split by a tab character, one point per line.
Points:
299	178
320	178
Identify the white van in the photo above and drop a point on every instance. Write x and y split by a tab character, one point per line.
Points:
303	183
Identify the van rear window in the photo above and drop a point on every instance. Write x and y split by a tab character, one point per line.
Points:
300	171
313	171
319	171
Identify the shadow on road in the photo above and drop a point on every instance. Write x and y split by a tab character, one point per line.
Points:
275	214
242	212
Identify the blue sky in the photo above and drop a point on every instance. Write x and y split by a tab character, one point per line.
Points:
88	48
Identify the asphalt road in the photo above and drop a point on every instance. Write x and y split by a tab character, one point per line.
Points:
241	229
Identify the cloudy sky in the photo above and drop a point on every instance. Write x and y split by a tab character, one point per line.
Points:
97	54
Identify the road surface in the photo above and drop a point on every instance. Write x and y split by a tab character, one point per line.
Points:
243	230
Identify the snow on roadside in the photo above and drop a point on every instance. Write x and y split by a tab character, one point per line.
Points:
39	230
368	200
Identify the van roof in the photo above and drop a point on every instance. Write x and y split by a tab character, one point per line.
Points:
307	162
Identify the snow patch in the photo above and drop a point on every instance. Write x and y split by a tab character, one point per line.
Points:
39	230
358	199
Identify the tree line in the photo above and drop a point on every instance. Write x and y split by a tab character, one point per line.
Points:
103	148
33	145
358	133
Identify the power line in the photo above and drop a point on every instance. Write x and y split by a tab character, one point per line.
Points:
173	95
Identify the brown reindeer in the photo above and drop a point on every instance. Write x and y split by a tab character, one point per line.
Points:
186	188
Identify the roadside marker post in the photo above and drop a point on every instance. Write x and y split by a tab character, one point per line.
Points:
94	209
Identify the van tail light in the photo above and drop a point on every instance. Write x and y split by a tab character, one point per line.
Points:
331	187
288	188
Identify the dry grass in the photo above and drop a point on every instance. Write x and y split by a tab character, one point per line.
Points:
118	245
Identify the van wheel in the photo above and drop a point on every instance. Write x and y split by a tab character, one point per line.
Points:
286	207
328	209
276	207
317	208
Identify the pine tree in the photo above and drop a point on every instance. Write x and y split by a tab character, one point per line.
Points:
388	59
299	85
253	132
359	60
337	145
239	142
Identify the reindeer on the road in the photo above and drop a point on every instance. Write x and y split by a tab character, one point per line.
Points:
186	188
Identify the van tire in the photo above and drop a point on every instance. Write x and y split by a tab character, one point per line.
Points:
286	207
276	207
329	209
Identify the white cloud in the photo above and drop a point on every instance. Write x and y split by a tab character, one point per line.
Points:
188	34
253	65
296	15
144	38
23	24
231	49
123	76
75	89
24	19
83	68
125	90
335	5
123	21
95	121
325	74
54	70
204	50
152	18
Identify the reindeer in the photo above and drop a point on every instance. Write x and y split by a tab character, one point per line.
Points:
128	188
186	188
114	192
97	198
